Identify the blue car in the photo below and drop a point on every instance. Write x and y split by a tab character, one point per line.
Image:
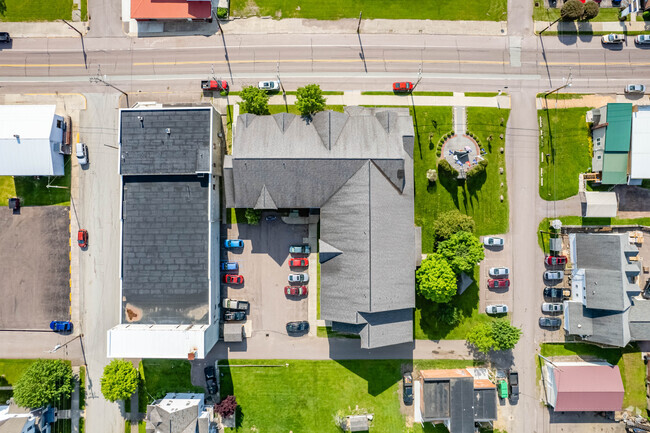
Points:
229	266
233	243
60	326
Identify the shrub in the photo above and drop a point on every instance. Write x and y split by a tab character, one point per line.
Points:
226	407
222	13
591	10
119	381
572	10
448	223
449	315
432	175
478	169
446	169
253	216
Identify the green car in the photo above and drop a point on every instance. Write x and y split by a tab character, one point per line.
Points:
502	386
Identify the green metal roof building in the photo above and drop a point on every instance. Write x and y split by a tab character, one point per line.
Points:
617	143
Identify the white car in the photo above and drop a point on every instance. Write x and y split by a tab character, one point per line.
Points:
553	275
82	153
299	278
269	85
496	309
492	241
552	307
499	272
635	88
642	39
613	38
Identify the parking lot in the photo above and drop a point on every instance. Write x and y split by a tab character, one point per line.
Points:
496	257
35	266
263	262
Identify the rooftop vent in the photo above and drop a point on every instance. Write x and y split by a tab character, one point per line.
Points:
168	131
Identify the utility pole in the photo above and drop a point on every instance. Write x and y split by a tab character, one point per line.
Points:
548	26
419	78
567	84
359	25
99	79
218	22
277	72
73	27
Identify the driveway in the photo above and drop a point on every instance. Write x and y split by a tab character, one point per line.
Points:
264	264
35	266
496	257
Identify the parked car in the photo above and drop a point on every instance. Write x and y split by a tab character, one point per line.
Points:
498	284
403	87
613	38
297	326
499	272
271	86
635	88
553	275
229	266
555	260
302	277
295	290
234	316
556	294
299	263
299	249
492	241
550	322
502	387
82	238
234	304
5	38
210	379
61	326
513	384
82	153
214	85
642	39
233	243
233	279
407	385
552	307
496	309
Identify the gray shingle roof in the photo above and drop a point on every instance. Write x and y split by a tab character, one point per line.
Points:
640	320
147	148
451	399
599	326
485	404
159	420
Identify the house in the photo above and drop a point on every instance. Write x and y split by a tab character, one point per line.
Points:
458	398
15	419
355	171
582	386
169	228
180	413
621	143
606	307
171	10
31	141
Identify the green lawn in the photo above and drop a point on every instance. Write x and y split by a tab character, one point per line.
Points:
483	94
318	390
82	387
414	93
479	200
34	10
540	13
560	96
474	10
161	376
35	192
10	372
567	141
628	360
7	188
84	10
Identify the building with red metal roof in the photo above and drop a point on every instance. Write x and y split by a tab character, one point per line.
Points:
145	10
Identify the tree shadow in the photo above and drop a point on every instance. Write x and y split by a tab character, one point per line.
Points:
475	183
417	128
380	374
451	185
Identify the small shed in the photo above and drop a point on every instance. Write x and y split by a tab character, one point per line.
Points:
463	282
233	332
354	423
555	246
600	204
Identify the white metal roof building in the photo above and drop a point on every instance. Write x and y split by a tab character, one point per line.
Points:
31	138
640	152
600	204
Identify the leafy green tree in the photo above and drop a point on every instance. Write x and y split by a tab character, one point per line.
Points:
310	100
505	335
572	10
480	336
462	250
253	216
449	314
119	381
435	279
445	169
45	381
448	223
254	100
591	10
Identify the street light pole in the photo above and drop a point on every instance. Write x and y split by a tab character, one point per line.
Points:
277	72
567	84
99	79
359	25
548	26
419	78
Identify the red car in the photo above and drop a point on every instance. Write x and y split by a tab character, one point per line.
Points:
295	290
214	85
555	260
82	238
498	284
233	279
403	87
299	262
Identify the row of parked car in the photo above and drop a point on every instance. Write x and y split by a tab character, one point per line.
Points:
300	326
500	276
554	295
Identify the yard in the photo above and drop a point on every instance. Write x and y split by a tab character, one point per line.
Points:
10	372
479	200
541	13
566	146
307	395
628	360
161	376
472	10
34	10
35	192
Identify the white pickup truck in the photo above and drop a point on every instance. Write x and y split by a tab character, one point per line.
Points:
234	304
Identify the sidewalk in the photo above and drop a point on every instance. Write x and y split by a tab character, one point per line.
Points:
54	29
585	27
590	101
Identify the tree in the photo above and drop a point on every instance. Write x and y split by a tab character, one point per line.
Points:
254	100
309	99
435	279
572	10
496	335
226	407
445	169
462	250
448	223
478	169
480	336
253	216
449	314
45	381
119	381
591	10
432	176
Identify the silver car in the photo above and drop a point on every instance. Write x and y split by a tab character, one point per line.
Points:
613	38
635	88
642	39
552	307
493	241
499	272
553	275
299	278
269	85
496	309
82	153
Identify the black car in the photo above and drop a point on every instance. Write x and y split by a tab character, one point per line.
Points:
298	326
550	322
4	37
407	384
513	384
556	294
210	380
230	316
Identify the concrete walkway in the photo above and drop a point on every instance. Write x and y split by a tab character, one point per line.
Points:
74	408
460	120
